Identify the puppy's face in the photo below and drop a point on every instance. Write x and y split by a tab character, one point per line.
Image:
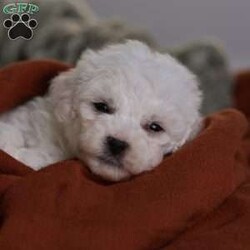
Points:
128	107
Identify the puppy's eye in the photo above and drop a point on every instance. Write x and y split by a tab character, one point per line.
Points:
102	107
155	127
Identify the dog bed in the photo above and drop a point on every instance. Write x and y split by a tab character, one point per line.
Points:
198	198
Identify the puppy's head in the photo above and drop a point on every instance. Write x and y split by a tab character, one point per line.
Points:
124	107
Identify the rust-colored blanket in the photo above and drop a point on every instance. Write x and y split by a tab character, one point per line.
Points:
197	199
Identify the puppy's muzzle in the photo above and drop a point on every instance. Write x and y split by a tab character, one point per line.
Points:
116	147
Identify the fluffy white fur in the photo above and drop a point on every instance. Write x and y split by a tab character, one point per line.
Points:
141	86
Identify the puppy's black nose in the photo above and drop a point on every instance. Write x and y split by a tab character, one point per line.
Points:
116	146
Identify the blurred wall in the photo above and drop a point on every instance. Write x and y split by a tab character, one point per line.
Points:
173	22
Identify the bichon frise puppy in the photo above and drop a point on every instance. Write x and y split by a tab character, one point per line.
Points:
120	110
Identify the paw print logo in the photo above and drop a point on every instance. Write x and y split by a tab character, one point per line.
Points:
20	26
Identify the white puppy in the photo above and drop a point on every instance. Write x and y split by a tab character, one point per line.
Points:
120	110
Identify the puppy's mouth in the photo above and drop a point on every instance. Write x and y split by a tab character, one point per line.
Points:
114	162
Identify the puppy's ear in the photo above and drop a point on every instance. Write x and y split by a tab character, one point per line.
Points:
196	128
61	96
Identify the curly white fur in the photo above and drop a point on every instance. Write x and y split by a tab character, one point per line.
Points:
140	85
